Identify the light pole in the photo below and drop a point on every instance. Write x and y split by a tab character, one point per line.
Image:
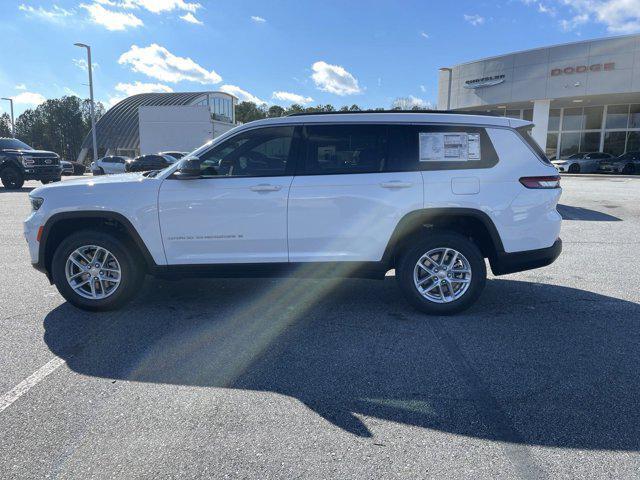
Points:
93	117
13	125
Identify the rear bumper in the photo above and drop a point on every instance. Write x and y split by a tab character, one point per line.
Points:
505	263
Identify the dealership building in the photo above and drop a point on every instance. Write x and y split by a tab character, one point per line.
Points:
582	96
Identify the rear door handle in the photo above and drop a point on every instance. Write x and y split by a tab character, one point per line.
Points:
265	187
396	184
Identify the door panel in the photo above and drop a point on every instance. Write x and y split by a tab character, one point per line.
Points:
224	220
348	217
237	211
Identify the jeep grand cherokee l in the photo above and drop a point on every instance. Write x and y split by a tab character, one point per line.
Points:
20	162
431	195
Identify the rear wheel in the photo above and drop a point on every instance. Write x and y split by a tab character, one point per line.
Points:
628	169
96	270
442	274
12	178
574	168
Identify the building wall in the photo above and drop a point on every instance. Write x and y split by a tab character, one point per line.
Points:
547	73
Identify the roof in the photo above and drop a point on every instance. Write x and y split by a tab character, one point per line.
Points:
118	128
557	45
392	117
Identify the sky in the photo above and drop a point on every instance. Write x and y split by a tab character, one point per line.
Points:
278	52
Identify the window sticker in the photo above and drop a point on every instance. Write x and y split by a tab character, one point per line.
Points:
449	146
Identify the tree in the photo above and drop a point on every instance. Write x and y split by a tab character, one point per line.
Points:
59	125
5	125
249	111
275	111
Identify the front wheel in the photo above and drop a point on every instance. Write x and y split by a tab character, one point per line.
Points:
11	178
628	169
96	271
574	168
442	274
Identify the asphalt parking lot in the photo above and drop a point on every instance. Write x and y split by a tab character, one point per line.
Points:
333	379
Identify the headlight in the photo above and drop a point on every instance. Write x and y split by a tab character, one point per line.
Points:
28	161
36	202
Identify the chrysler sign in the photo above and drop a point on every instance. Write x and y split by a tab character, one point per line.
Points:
596	67
484	81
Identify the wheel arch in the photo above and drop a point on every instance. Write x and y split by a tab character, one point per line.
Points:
470	222
62	224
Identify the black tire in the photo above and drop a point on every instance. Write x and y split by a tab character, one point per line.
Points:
414	251
99	171
574	168
628	169
132	269
44	182
12	178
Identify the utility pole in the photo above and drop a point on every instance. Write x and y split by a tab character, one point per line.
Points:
13	124
93	116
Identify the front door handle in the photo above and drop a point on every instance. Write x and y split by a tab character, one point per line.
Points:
396	184
266	187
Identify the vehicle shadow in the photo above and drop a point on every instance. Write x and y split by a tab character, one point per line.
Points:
585	214
529	364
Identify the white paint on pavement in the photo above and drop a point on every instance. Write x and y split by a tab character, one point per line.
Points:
31	381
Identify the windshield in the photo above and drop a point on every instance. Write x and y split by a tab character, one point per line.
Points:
12	143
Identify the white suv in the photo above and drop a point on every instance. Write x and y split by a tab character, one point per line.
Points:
430	195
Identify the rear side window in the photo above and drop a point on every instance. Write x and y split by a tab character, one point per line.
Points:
440	147
525	132
342	149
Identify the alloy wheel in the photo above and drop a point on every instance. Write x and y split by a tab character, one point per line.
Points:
93	272
442	275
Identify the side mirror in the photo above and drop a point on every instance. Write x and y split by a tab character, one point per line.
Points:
189	169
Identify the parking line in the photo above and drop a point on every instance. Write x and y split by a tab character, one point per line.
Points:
31	381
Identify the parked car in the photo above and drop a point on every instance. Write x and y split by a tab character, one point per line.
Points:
67	167
146	163
78	168
109	164
19	162
354	194
627	163
176	155
582	162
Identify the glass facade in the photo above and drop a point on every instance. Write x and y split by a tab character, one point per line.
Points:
221	108
612	129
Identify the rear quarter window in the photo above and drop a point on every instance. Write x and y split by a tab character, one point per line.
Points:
405	151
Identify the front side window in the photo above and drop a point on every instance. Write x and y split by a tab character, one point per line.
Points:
343	149
263	152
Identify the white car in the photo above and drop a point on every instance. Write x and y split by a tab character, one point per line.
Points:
109	164
67	167
431	195
583	162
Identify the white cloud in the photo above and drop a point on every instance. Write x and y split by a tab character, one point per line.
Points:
139	87
190	18
474	20
291	97
111	19
70	92
424	34
55	14
29	98
619	16
20	86
159	6
81	63
423	88
159	63
257	19
242	95
334	79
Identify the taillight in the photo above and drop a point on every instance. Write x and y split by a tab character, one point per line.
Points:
541	182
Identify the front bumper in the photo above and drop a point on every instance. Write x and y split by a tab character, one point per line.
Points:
43	173
504	262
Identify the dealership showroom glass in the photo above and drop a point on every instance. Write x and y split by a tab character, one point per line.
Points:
582	97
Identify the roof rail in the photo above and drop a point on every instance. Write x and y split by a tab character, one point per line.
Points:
343	112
